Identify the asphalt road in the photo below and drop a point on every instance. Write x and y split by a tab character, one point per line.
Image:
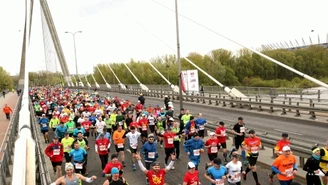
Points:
300	130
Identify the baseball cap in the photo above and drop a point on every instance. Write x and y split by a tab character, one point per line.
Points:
151	135
156	163
191	165
69	166
171	119
212	134
286	148
114	171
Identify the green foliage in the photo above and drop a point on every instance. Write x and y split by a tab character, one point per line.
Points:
245	68
6	81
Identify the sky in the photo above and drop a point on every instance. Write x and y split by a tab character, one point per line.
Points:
114	31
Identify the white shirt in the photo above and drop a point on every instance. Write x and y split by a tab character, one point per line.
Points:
99	112
100	125
234	171
80	120
151	120
133	138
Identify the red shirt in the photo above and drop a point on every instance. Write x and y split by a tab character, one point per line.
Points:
156	178
138	107
110	165
168	140
191	178
214	143
102	146
280	144
221	130
143	123
86	125
55	152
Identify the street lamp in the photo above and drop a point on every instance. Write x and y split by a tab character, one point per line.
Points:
178	51
73	34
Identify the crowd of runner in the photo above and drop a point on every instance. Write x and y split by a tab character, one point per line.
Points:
75	117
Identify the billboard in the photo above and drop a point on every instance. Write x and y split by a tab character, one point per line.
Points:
190	82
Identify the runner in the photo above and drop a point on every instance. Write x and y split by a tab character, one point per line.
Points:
102	146
285	166
114	163
133	140
235	169
67	142
217	173
55	152
252	144
115	178
239	132
191	177
201	123
324	162
212	145
312	168
194	148
221	135
72	178
119	142
44	123
156	176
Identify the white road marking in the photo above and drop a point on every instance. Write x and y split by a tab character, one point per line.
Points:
289	132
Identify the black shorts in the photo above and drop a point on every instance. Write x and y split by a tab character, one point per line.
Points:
44	131
223	145
119	149
252	160
238	142
144	134
212	156
201	133
152	128
169	151
134	151
54	164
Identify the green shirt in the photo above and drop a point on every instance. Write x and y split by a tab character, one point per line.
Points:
185	118
108	122
70	126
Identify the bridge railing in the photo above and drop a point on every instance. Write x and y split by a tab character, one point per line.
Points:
285	106
8	145
42	173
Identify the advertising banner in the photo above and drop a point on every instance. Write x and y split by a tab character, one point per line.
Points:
190	82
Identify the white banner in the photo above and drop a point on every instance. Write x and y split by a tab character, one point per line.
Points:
190	82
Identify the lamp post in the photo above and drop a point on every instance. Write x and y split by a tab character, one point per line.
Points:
73	34
178	51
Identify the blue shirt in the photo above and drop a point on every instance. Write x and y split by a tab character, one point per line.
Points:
216	174
78	155
60	131
44	123
77	130
200	121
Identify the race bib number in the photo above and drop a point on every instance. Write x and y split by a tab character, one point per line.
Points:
219	181
201	127
67	148
223	132
134	146
236	176
289	172
70	129
144	128
242	129
86	127
196	152
151	155
120	145
102	148
79	166
170	140
44	125
56	152
254	150
214	149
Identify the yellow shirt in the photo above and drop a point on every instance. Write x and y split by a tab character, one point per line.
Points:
67	143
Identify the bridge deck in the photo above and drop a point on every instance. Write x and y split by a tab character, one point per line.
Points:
11	100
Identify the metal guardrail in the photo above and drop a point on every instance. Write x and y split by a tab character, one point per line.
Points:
233	102
42	173
8	144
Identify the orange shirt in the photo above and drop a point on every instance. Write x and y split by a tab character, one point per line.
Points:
118	137
285	164
7	109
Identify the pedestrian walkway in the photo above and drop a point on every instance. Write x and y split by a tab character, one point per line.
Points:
10	99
